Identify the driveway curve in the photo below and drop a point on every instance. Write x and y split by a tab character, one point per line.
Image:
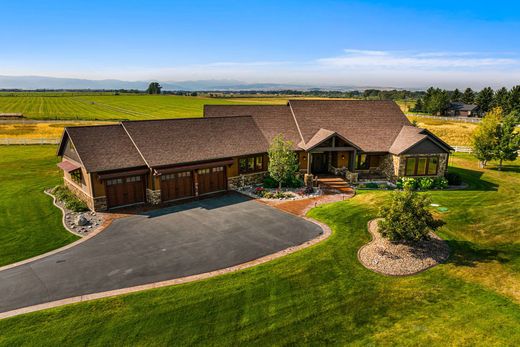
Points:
164	244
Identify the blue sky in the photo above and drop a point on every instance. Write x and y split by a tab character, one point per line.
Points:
381	43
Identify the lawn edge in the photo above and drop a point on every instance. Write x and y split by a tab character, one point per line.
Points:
326	233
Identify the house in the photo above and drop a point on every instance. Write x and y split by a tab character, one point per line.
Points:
463	110
155	161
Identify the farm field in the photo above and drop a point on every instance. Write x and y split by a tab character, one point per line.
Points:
320	295
38	130
453	132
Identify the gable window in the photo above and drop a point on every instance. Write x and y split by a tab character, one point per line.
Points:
421	166
76	176
250	164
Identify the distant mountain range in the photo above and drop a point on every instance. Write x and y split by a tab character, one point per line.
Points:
42	82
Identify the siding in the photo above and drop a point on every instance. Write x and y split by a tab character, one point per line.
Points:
425	147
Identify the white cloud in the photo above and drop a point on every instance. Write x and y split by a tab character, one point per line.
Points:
357	59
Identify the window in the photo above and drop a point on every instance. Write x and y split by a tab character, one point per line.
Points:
432	166
362	162
203	171
218	169
133	179
76	176
114	181
421	166
251	164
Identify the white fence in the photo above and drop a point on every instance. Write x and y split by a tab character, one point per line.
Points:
450	119
22	141
463	149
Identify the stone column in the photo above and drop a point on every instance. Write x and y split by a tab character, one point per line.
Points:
308	180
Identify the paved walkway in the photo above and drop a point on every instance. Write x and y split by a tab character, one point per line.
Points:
160	245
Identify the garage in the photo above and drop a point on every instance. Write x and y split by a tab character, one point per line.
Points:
122	191
177	185
211	180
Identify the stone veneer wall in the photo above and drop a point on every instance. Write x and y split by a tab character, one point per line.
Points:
153	196
441	169
388	167
246	180
79	193
100	203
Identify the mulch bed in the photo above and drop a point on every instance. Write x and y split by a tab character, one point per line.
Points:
401	259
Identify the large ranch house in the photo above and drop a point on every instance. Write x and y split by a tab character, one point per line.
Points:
156	161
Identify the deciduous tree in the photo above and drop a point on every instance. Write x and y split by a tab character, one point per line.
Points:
508	140
154	88
283	162
485	137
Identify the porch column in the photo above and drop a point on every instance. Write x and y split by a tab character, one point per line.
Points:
308	162
352	162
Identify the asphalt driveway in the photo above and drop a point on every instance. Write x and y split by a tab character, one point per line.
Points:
164	244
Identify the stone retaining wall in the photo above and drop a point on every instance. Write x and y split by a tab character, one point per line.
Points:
246	180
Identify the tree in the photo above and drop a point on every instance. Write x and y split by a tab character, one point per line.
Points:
154	88
485	137
283	162
418	106
469	96
407	217
501	100
514	99
484	99
508	140
436	101
456	95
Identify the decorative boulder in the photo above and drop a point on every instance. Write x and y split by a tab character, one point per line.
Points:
81	220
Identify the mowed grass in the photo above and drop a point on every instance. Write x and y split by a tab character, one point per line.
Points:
29	223
113	107
322	295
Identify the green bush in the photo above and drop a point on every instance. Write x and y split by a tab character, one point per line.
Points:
425	183
409	183
69	200
440	183
270	182
293	182
407	217
454	179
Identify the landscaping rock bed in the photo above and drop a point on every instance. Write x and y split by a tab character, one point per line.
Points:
79	223
401	259
286	193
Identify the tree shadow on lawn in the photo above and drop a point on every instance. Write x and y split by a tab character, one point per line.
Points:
474	179
507	168
465	253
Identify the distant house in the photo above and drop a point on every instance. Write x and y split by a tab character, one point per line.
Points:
155	161
460	109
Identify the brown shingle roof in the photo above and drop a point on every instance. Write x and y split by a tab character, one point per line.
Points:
175	141
408	136
370	125
104	147
272	120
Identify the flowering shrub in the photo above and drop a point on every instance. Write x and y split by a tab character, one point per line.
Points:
260	191
425	183
305	191
440	183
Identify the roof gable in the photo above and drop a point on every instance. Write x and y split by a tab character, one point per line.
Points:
372	126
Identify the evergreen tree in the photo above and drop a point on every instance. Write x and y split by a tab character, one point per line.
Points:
418	106
484	99
514	99
485	137
508	141
501	100
154	88
436	101
456	95
469	96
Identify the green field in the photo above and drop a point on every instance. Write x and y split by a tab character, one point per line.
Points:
114	107
320	295
29	223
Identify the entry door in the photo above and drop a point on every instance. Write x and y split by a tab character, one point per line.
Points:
319	162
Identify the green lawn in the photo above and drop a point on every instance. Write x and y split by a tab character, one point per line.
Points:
29	223
322	295
113	107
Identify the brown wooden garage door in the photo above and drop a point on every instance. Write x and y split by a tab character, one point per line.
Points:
125	191
176	185
212	180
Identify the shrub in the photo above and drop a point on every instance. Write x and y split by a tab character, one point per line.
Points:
425	183
305	191
440	183
280	195
69	200
293	182
407	217
260	191
454	179
382	186
270	182
371	185
409	183
399	183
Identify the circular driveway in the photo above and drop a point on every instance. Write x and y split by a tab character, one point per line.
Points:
164	244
